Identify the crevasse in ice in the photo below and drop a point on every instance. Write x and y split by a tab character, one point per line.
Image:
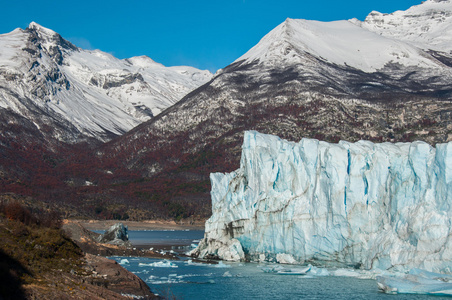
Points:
374	206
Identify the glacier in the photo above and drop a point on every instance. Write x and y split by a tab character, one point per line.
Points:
365	205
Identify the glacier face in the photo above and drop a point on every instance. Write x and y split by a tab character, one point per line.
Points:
374	206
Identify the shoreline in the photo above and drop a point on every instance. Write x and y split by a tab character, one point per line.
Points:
139	225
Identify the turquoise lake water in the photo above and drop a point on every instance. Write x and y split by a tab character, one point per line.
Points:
185	279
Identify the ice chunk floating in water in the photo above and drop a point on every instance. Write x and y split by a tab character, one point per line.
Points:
159	264
417	282
372	206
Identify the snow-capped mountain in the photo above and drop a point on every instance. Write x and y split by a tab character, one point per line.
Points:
305	79
326	80
333	80
427	26
339	42
96	94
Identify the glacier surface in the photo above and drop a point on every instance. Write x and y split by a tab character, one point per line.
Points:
371	206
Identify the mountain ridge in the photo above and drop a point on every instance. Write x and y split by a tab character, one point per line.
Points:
427	25
304	95
339	42
294	88
100	95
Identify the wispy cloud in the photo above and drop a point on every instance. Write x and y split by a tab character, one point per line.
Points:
81	42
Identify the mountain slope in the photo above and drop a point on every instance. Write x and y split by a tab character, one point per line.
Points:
339	42
329	81
58	102
313	64
94	93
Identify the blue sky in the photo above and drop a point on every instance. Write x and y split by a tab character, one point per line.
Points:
204	34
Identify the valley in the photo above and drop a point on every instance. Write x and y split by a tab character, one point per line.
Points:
88	133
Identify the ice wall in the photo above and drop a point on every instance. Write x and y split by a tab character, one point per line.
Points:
385	206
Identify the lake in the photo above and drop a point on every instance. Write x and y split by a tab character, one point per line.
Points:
186	279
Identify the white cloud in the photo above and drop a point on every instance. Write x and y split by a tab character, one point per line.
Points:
81	42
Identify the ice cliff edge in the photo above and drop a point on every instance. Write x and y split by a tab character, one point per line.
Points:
385	206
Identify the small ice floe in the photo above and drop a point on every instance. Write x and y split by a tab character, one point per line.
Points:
227	274
295	271
221	265
417	282
141	272
271	269
193	245
159	264
164	280
192	263
319	271
124	261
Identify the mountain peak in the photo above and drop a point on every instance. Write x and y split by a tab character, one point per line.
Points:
33	26
143	61
338	42
49	38
427	25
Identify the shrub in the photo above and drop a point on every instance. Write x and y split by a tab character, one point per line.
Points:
17	212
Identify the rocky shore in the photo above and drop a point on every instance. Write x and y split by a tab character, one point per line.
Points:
103	278
97	278
143	225
40	259
91	242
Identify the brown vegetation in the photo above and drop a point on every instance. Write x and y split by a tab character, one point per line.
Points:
39	261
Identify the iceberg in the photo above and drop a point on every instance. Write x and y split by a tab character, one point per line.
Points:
364	205
295	271
417	282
